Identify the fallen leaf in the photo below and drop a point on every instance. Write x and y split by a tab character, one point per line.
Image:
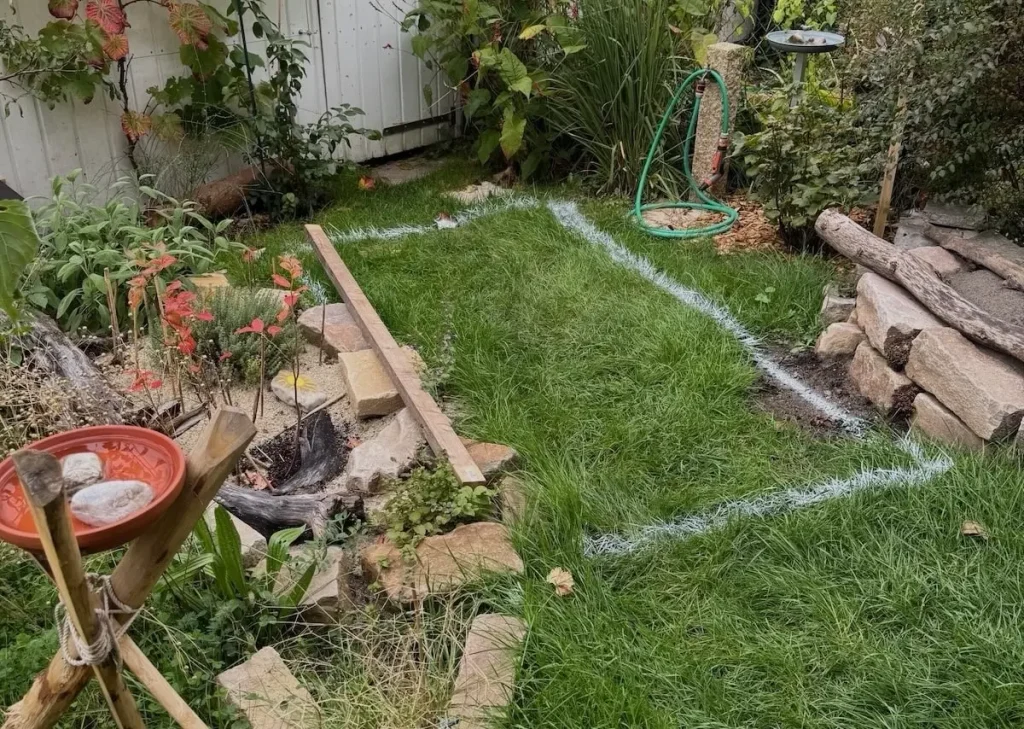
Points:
257	480
974	529
562	580
367	183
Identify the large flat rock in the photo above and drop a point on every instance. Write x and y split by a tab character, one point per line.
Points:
935	421
487	671
987	291
954	216
910	233
387	455
441	563
371	391
493	459
944	263
329	596
890	391
985	389
890	317
268	694
333	326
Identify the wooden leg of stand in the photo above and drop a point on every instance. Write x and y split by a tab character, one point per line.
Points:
150	677
41	478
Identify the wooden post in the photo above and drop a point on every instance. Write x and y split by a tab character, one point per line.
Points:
892	161
225	439
43	483
436	427
115	330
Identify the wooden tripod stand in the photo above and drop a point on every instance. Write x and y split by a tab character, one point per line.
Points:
53	691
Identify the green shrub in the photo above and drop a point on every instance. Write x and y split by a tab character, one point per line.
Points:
430	502
234	308
608	98
81	238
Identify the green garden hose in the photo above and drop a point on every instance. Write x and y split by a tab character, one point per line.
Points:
706	202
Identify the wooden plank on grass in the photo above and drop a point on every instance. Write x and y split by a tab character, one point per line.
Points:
436	426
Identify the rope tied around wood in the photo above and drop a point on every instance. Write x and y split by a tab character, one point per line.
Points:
110	629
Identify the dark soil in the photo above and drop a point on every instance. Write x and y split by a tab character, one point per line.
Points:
323	453
828	377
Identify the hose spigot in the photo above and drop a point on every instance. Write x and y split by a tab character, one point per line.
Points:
717	163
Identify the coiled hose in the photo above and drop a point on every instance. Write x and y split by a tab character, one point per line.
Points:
705	201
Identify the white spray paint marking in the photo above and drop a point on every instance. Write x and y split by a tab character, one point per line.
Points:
493	207
775	503
570	217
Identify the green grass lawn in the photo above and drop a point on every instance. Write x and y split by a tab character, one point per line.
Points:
629	408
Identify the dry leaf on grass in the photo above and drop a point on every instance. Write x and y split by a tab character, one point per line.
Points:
562	580
974	529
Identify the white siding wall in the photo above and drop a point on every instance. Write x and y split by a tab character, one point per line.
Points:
359	56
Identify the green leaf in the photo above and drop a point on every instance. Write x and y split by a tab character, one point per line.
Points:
277	548
19	242
229	548
298	591
534	30
697	8
486	144
527	169
512	131
420	45
428	94
476	100
513	71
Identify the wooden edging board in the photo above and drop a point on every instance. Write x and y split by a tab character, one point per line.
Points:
436	426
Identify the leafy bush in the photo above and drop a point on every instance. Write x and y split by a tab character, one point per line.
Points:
431	502
233	309
807	158
499	56
81	239
609	97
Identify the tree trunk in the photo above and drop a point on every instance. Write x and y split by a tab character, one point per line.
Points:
267	513
921	281
49	349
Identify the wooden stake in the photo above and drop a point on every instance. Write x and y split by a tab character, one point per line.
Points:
40	475
214	456
892	161
150	677
112	308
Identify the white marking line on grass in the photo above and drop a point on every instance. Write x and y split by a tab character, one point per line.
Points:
491	207
779	502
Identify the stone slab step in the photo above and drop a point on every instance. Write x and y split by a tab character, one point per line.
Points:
487	671
268	694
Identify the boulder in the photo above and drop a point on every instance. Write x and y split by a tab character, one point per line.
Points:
386	455
370	389
511	499
268	694
944	263
989	292
339	332
839	340
329	596
254	544
954	216
491	458
302	390
487	670
109	502
910	234
983	388
852	319
934	421
890	317
836	308
441	563
890	391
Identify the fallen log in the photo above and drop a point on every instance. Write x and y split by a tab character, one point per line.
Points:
267	513
991	250
860	246
50	350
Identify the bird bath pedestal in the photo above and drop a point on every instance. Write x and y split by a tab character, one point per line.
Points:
803	43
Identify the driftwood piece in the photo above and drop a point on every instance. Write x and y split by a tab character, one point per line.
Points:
921	281
991	250
50	350
321	455
40	475
209	463
266	512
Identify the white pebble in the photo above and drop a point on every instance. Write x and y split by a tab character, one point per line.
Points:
110	501
81	469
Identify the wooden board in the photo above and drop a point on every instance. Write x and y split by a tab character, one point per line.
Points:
436	426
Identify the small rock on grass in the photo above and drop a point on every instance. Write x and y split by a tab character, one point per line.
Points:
329	596
109	502
836	308
491	458
476	193
974	529
268	694
303	390
487	671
